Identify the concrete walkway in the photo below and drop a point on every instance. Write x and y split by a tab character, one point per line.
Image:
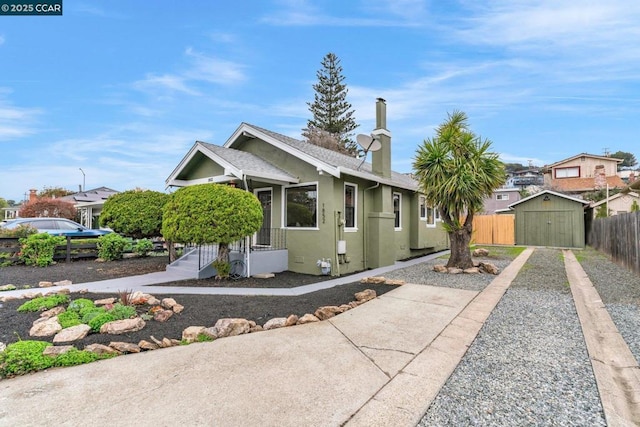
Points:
380	364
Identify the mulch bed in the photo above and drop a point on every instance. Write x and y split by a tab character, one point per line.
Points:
200	310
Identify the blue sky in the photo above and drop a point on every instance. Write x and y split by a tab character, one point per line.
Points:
123	89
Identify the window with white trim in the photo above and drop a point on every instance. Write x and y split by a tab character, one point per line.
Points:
350	206
422	207
397	210
572	172
431	216
301	206
502	197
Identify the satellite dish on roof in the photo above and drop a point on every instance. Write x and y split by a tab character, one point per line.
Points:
368	143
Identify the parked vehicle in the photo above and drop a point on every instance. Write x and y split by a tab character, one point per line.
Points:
55	226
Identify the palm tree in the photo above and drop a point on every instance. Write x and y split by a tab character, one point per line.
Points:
456	171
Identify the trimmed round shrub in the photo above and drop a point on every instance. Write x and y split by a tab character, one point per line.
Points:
96	323
38	249
143	247
111	246
134	213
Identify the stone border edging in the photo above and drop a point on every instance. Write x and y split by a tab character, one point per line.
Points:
614	367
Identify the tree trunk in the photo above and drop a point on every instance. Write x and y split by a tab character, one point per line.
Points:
223	253
460	252
172	251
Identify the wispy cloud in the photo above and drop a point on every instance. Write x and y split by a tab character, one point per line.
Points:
198	68
302	13
16	122
1	40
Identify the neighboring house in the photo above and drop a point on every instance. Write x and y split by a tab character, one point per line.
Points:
525	178
500	200
617	204
357	215
550	219
89	204
11	212
583	173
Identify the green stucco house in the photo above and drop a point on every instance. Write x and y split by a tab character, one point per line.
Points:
333	207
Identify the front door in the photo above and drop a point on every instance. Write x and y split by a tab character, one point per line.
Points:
263	236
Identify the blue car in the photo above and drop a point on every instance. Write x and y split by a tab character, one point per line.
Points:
55	226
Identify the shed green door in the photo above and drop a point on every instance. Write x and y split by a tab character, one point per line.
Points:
549	228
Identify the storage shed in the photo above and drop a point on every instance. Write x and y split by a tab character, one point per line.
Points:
550	219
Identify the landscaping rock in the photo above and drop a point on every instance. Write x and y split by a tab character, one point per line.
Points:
101	349
366	295
256	328
480	252
440	268
56	350
472	270
177	308
307	318
229	327
275	323
45	284
263	276
327	312
7	299
373	280
191	333
489	268
344	307
53	312
162	315
124	347
291	320
454	270
73	333
45	327
168	303
153	300
394	282
104	301
146	345
31	295
63	291
118	327
63	283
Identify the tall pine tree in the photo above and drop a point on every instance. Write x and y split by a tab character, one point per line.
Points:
332	114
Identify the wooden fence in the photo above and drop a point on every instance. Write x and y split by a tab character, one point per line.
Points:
494	229
619	237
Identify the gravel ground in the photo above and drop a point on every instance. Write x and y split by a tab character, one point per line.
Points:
619	289
529	363
423	274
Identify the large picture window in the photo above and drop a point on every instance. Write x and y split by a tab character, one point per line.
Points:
572	172
350	203
397	202
302	206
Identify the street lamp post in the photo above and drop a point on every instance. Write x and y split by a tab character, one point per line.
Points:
83	178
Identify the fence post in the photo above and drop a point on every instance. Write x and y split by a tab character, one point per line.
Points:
68	248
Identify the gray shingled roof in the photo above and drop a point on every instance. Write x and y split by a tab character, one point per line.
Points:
346	163
248	162
93	195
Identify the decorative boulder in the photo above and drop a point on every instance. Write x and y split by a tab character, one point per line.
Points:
366	295
440	268
118	327
275	323
480	252
73	333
